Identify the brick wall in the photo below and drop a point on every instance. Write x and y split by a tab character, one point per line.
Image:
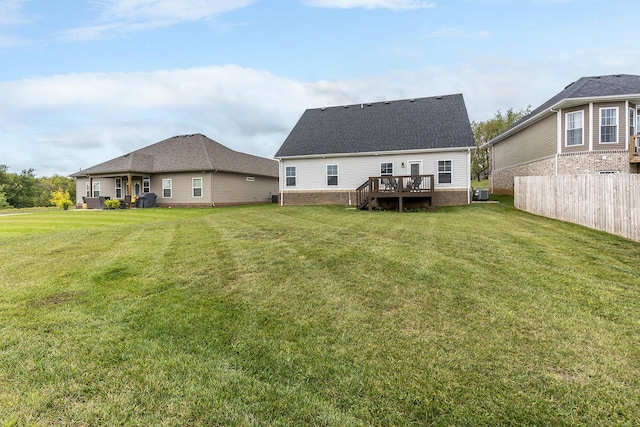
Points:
581	163
442	198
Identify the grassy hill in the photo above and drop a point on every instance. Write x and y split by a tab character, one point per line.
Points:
255	316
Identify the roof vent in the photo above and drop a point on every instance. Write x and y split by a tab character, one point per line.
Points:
412	100
346	106
438	97
387	102
369	104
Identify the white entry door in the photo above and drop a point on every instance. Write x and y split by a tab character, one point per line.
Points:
415	167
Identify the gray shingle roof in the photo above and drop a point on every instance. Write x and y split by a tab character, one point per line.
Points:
410	124
584	88
185	153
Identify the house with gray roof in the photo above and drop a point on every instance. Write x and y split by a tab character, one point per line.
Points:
186	170
590	127
333	152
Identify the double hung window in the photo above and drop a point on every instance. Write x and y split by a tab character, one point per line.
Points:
386	168
609	125
196	184
290	176
444	172
575	126
166	188
332	174
118	188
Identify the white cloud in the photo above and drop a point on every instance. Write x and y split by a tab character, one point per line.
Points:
372	4
11	13
121	17
89	118
59	124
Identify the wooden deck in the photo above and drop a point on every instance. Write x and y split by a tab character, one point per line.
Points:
396	189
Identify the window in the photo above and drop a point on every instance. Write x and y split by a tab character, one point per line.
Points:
290	175
87	189
166	188
444	172
332	174
96	189
118	188
197	187
609	125
146	184
575	125
386	168
632	121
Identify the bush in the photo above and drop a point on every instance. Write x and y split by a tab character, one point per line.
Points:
112	203
61	199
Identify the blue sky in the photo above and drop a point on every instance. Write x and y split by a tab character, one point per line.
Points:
83	81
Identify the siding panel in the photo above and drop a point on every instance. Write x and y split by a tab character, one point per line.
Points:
537	142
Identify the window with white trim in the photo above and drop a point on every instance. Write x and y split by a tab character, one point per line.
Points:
118	188
290	173
444	172
196	185
146	184
96	188
87	189
386	168
609	125
575	127
632	121
332	174
166	188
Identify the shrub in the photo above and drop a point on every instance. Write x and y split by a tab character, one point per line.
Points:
61	199
112	203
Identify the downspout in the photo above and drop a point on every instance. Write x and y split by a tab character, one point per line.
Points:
469	191
559	137
213	203
280	184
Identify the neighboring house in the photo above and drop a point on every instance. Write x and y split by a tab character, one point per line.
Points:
333	152
587	128
188	170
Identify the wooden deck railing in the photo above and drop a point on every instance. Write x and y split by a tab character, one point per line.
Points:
400	187
634	149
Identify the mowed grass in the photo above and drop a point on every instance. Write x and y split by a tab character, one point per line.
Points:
264	316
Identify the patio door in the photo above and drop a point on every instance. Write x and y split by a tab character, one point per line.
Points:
415	167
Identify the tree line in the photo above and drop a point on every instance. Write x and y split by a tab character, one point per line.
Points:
484	132
24	190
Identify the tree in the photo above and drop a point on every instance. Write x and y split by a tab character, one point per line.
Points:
48	185
487	130
20	190
3	199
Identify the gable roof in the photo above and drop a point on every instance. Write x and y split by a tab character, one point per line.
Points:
437	122
182	154
584	90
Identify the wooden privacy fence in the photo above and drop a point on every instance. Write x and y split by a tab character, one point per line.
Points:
608	203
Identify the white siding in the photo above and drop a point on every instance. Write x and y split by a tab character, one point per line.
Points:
355	170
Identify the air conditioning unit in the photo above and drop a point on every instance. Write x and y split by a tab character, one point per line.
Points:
481	195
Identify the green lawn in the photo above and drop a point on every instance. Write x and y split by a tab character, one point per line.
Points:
478	315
